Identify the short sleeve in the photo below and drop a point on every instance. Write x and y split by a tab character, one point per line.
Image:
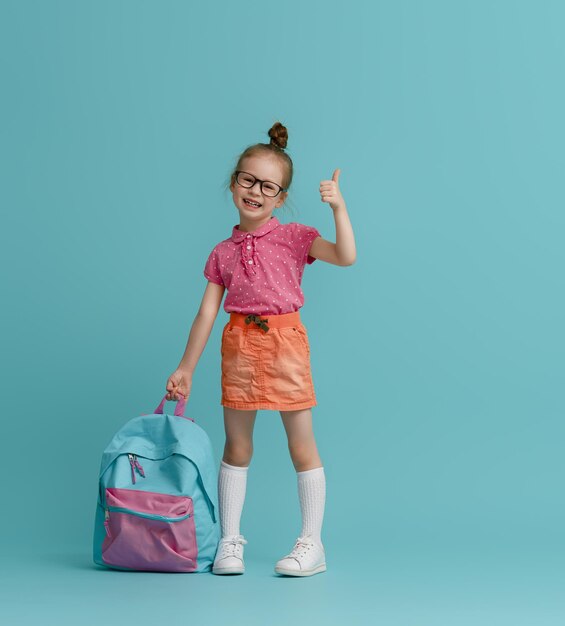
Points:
212	269
303	237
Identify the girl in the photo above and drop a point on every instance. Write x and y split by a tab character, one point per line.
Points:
265	349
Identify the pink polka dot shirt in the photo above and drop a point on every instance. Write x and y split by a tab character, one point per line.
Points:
262	270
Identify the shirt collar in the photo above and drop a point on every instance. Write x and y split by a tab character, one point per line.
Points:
239	235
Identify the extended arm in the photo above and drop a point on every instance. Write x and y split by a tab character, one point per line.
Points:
180	381
202	326
343	251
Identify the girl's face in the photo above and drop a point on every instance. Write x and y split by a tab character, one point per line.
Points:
264	168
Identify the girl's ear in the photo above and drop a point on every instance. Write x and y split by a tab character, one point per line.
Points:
282	199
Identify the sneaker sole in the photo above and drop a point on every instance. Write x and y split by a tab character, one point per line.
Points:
228	570
306	572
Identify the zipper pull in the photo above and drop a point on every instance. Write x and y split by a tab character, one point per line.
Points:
107	522
138	466
132	464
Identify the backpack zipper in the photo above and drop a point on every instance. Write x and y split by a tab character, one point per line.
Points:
138	466
107	521
135	466
162	518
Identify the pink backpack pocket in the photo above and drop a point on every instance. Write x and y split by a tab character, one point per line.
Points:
149	531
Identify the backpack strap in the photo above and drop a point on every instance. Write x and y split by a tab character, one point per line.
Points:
179	408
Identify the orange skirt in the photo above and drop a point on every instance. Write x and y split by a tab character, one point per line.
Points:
266	369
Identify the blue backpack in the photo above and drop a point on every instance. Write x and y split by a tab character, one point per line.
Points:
157	502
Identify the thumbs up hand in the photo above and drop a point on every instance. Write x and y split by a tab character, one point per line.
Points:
329	191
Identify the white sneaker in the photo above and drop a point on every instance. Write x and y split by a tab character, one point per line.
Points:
307	558
229	556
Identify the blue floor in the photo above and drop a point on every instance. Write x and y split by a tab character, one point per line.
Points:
400	588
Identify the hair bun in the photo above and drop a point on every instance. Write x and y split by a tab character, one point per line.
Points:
278	135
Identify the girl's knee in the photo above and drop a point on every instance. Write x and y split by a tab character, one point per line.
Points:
238	453
304	456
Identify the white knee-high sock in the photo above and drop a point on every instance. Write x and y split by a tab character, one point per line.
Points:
312	494
232	483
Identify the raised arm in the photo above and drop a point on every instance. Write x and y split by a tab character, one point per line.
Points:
181	380
343	251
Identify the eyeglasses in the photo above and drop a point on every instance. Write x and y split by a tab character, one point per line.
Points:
267	187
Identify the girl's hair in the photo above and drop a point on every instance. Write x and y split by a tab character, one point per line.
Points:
275	149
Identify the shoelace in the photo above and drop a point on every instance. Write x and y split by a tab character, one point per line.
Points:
301	547
230	546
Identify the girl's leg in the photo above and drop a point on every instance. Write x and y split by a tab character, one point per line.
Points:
308	556
301	441
310	472
238	425
232	482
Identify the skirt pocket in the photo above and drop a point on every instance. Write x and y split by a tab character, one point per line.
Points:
227	335
149	531
223	338
303	338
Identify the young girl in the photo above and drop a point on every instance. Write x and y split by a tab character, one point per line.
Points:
265	349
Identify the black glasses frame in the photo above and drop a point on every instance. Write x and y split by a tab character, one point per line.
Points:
255	180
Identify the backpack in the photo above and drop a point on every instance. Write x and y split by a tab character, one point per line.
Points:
157	506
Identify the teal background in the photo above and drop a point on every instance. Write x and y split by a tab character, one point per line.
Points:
437	358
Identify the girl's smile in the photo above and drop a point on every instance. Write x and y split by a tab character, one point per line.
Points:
251	203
